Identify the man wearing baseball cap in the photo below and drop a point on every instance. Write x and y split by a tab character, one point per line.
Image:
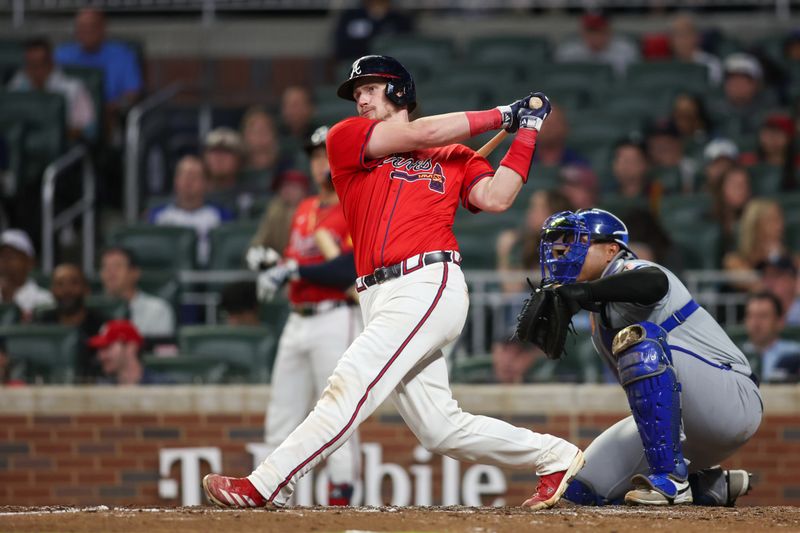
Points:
745	100
598	44
118	349
17	259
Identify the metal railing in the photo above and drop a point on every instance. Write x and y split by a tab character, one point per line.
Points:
134	143
83	208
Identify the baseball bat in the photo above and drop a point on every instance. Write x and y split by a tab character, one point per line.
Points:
494	142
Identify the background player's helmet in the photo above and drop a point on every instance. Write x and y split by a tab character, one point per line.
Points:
399	87
562	248
317	139
605	227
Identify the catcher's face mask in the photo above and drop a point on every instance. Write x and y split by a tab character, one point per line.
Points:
562	248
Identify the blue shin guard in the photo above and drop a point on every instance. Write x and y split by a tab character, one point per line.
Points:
644	363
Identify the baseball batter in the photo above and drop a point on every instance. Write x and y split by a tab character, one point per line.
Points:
322	323
693	397
400	184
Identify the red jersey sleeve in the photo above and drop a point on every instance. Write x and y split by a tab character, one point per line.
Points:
476	168
347	144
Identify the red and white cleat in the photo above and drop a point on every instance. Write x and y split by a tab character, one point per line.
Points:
552	486
232	492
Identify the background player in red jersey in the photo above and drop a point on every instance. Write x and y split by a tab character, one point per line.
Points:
400	184
323	319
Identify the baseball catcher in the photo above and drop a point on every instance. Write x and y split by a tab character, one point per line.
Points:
694	400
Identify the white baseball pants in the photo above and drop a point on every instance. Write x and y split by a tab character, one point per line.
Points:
408	320
308	351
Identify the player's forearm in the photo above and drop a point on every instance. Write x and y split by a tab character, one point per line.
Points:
338	273
643	286
496	194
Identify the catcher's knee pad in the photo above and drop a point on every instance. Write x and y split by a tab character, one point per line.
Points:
580	493
644	363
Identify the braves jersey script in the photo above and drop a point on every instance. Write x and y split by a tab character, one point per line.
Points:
400	205
700	334
309	217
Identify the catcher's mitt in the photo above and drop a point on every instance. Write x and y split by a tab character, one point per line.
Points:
544	321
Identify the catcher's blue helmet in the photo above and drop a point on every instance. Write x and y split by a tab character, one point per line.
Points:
400	87
566	237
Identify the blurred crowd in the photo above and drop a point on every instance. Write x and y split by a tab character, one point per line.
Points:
708	181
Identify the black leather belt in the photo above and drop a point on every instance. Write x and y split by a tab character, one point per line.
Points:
311	309
395	271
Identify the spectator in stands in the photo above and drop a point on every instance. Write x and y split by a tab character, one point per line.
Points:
685	40
776	148
189	207
261	145
518	249
120	275
779	276
70	289
224	158
771	357
719	155
273	230
551	144
119	346
579	185
39	73
791	46
297	110
17	260
122	74
512	359
744	101
691	119
730	196
647	232
630	170
356	28
672	170
761	236
599	45
239	304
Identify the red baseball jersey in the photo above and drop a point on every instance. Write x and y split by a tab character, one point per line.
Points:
400	205
309	217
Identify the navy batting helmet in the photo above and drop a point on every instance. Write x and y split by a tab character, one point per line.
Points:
399	83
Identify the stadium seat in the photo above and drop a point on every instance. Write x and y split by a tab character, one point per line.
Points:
187	369
11	58
162	283
509	50
685	209
41	116
668	74
159	247
9	314
333	110
580	364
274	314
107	307
38	353
620	205
435	104
699	243
229	243
670	179
430	52
247	351
475	369
765	180
595	76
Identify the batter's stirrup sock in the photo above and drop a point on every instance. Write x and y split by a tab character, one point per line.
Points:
340	494
645	368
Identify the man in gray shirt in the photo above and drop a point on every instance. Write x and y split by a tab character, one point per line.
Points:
598	45
694	399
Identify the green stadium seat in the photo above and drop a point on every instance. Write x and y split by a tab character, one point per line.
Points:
332	111
765	180
580	364
595	76
38	353
519	51
247	351
229	244
41	116
668	74
791	333
162	283
107	307
436	104
419	51
9	314
685	209
92	79
474	370
620	205
11	59
699	244
159	247
274	314
187	369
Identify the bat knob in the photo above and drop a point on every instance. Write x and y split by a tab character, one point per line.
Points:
535	103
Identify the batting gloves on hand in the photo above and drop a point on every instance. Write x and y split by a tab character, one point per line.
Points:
510	113
534	118
271	280
260	258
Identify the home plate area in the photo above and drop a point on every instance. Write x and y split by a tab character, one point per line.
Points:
564	517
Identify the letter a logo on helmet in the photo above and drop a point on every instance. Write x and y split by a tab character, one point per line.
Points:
400	87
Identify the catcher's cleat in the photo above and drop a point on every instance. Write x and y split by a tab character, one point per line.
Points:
658	489
739	484
233	492
552	486
340	494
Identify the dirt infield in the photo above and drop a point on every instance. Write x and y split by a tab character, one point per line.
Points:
406	519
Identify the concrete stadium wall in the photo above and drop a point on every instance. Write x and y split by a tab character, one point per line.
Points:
151	445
